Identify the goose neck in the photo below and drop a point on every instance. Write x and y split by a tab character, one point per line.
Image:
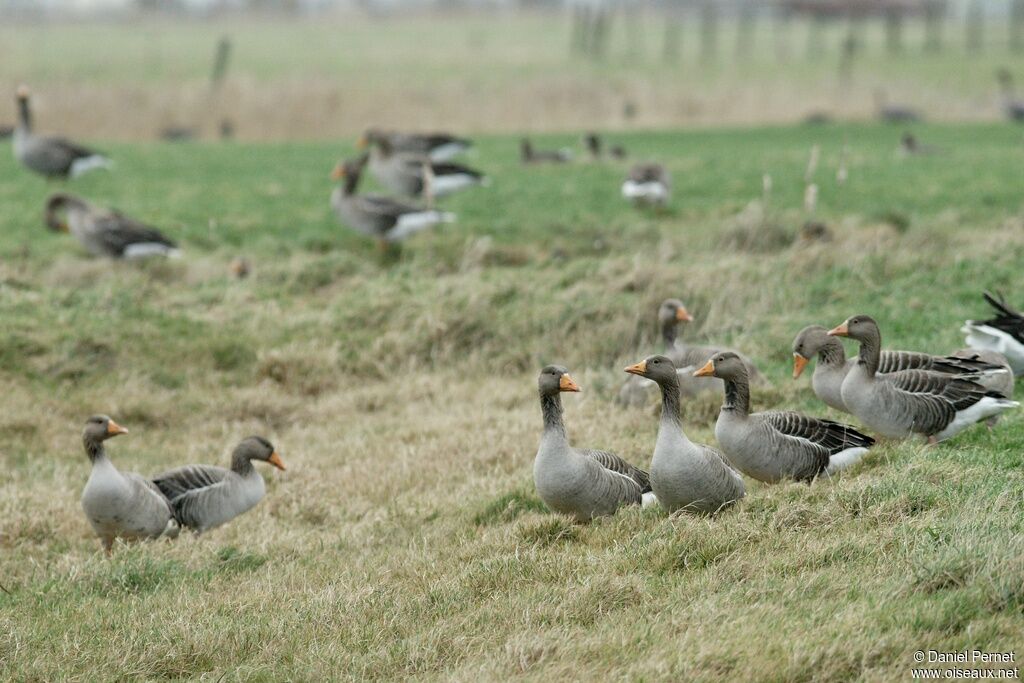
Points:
24	115
737	396
870	351
832	353
669	332
551	409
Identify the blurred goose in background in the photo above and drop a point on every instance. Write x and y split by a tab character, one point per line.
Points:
51	157
6	132
415	175
776	445
909	402
385	219
529	155
1013	107
581	483
684	475
1000	382
833	366
120	505
648	184
893	113
910	146
595	146
1003	333
205	496
437	146
105	232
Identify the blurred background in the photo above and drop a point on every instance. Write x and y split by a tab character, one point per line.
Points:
310	69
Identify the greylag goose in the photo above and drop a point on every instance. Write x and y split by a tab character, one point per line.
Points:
581	483
893	113
910	146
776	445
648	184
104	232
385	219
1003	333
437	146
1012	106
684	475
120	505
833	366
529	155
415	175
51	157
897	405
205	496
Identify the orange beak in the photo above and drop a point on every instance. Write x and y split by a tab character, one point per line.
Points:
114	429
363	142
799	363
276	461
840	331
338	173
22	92
565	383
707	371
682	315
638	369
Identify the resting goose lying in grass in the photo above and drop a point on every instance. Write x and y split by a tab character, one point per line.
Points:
833	366
105	232
648	184
684	475
529	155
1003	333
120	505
776	445
206	496
911	401
386	220
51	157
582	483
437	146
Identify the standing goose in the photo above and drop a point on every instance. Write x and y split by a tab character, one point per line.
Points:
684	475
206	496
120	505
415	175
51	157
104	232
1003	333
385	219
1013	107
912	401
776	445
893	113
648	184
529	155
437	146
833	366
581	483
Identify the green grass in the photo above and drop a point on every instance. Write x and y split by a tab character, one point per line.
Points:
406	540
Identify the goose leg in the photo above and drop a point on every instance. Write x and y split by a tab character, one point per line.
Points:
108	545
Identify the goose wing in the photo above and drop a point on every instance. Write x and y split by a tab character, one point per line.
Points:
1006	319
815	438
936	399
187	486
612	462
897	361
118	232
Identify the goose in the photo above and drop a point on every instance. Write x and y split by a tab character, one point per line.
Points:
909	146
51	157
909	402
833	366
648	184
684	475
1012	106
776	445
385	219
437	146
1003	333
529	155
581	483
415	175
120	505
893	113
592	142
206	496
686	358
105	232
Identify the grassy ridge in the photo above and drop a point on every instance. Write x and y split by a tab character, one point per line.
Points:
405	539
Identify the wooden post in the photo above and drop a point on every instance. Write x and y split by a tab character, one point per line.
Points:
975	26
934	18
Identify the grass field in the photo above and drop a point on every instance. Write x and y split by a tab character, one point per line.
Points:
333	76
405	541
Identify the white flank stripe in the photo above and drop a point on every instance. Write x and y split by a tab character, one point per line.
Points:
987	407
648	499
652	191
411	223
844	459
149	249
985	338
447	184
447	151
86	164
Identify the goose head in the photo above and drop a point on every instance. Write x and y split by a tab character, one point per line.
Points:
23	93
806	346
657	368
99	428
349	168
673	310
555	379
258	448
726	365
370	136
859	328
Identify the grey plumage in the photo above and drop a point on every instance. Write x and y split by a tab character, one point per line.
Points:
416	175
105	232
437	146
52	157
581	483
529	155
